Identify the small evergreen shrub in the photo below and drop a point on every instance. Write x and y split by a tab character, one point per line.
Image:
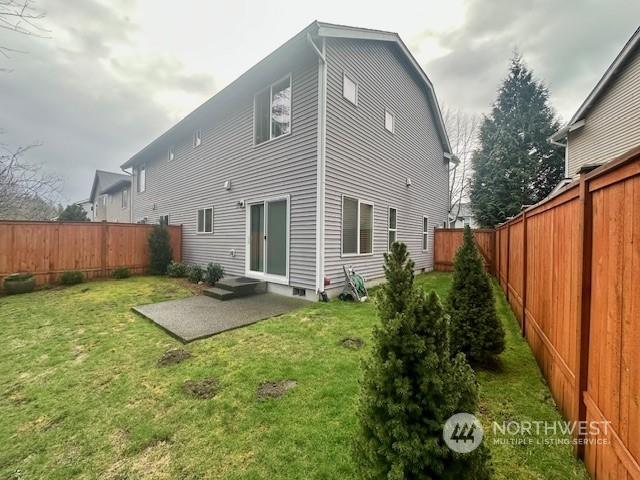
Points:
411	386
177	269
476	330
71	277
121	272
213	273
159	249
195	273
19	283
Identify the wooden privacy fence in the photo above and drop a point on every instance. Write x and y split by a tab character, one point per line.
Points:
570	268
47	249
448	241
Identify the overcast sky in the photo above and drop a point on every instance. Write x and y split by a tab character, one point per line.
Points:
113	75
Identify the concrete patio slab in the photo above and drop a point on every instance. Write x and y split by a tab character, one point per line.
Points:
198	317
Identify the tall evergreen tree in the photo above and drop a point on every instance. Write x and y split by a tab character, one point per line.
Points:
411	386
476	330
515	165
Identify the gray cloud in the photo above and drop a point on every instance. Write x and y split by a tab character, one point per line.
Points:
87	107
568	44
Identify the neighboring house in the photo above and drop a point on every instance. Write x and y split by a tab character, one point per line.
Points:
111	197
318	156
464	217
607	124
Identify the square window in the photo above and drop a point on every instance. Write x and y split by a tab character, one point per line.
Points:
205	220
389	121
349	89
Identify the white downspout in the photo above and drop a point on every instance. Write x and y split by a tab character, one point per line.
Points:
320	164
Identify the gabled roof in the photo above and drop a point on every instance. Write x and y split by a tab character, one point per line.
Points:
107	180
321	29
602	85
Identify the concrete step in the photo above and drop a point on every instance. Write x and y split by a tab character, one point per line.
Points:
219	293
242	286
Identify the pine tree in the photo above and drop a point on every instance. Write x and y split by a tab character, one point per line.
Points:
515	165
159	249
476	330
73	213
411	386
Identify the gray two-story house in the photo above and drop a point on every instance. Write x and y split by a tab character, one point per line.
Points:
319	156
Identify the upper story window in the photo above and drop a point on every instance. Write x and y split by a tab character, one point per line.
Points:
197	138
389	121
349	89
172	154
272	111
104	200
125	198
142	178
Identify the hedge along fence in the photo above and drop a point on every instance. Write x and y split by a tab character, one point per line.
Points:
47	249
570	268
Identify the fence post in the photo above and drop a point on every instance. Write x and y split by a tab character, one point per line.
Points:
508	260
103	248
524	273
583	320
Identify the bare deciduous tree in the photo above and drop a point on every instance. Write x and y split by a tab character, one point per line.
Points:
26	192
21	17
462	129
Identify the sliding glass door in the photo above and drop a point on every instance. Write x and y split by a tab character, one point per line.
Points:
268	238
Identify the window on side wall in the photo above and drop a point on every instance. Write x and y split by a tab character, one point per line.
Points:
349	89
172	154
425	233
205	220
197	138
272	111
392	226
357	227
389	121
163	220
125	198
142	178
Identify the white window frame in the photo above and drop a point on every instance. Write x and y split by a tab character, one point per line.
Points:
125	195
140	181
197	138
425	234
171	154
270	89
204	222
346	76
373	224
389	229
161	217
393	121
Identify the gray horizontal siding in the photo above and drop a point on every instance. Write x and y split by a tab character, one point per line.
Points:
284	166
366	161
613	124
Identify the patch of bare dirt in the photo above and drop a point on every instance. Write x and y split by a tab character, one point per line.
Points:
271	389
352	343
173	356
194	288
206	388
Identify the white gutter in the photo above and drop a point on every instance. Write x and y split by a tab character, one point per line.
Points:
321	162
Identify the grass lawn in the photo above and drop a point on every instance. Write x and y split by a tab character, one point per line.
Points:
81	395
